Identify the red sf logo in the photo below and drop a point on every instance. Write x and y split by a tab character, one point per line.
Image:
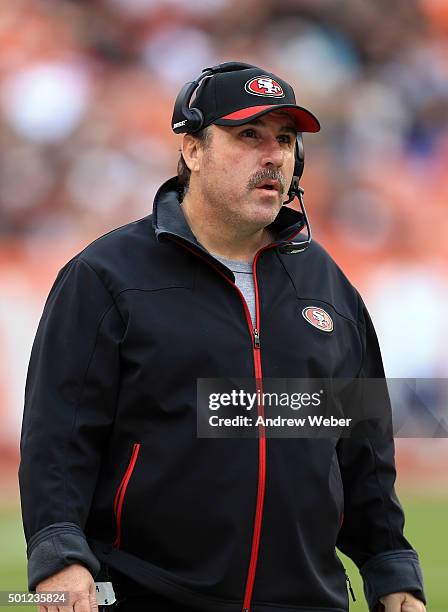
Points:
264	86
318	317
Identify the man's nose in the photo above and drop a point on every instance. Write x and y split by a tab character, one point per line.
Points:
273	154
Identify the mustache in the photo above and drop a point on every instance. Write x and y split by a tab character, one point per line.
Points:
267	173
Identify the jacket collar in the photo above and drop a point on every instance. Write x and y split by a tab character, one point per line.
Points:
168	218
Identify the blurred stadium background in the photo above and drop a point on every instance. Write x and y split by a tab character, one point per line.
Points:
86	95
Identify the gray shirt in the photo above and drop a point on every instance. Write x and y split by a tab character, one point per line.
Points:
244	280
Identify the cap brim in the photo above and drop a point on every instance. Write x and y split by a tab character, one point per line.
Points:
305	120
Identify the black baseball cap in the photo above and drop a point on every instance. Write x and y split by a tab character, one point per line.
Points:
237	97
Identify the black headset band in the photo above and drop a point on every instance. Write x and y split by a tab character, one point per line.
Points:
183	114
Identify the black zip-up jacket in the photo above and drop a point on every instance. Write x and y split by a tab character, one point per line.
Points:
112	470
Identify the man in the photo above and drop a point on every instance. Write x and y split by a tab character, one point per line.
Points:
216	283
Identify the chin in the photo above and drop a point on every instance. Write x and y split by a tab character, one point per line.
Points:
268	209
264	217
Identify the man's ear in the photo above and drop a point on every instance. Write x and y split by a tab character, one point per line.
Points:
191	152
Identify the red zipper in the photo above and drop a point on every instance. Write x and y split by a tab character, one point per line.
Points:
261	447
121	492
256	351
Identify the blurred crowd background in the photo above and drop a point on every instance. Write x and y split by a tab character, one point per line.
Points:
86	96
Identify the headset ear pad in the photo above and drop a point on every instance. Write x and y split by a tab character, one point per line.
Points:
185	119
300	156
195	120
299	164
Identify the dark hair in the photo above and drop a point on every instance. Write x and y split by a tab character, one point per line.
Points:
183	171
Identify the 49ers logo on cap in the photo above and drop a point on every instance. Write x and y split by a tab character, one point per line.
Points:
264	86
318	317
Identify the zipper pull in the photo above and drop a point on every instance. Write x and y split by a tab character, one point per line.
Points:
350	586
256	343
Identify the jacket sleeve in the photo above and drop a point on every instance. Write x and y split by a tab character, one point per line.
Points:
70	400
372	531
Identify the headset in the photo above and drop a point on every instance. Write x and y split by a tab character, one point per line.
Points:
189	120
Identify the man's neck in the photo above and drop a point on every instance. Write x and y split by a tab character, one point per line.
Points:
224	239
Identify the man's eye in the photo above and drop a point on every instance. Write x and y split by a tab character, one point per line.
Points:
285	138
250	133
